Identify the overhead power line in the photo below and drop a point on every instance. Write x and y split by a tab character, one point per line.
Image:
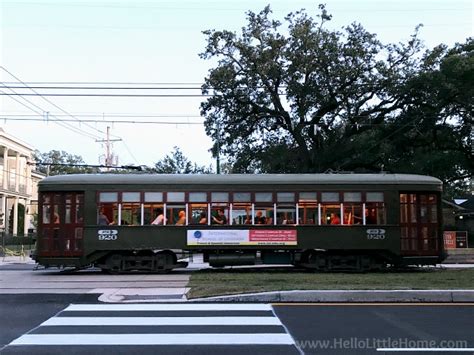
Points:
55	87
101	83
103	115
60	122
101	121
41	114
75	129
111	95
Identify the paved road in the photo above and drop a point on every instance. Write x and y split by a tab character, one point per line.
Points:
362	329
85	328
56	324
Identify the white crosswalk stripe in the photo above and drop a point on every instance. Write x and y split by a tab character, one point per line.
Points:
160	324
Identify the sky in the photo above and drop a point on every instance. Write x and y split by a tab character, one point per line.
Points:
155	44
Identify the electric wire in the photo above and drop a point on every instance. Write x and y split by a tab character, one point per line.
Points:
103	121
48	101
58	122
60	108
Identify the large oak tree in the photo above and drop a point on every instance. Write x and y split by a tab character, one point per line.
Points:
305	98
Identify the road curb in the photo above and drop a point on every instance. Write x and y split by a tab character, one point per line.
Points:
352	296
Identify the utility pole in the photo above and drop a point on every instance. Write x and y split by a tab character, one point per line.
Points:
108	151
218	161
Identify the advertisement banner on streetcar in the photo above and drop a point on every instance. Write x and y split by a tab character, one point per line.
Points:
242	237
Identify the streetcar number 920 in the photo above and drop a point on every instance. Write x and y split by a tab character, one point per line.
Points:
107	234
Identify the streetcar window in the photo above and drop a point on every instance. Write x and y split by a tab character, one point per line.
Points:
130	197
197	197
286	214
286	197
130	214
107	214
308	212
286	210
151	211
173	214
374	213
374	197
67	216
56	219
308	197
263	197
220	197
330	196
217	216
153	196
308	208
79	213
330	213
352	213
403	198
241	213
46	214
108	197
198	213
433	214
263	215
352	197
175	196
242	197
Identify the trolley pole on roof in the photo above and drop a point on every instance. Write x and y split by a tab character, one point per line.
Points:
108	151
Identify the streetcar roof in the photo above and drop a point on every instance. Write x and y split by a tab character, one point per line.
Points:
239	179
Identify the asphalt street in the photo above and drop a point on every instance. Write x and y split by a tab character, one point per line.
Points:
78	324
47	312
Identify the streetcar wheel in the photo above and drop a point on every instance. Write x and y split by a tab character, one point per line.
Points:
114	263
318	261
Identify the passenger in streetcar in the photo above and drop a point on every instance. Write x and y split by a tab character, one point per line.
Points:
370	216
259	218
335	219
220	218
103	219
203	218
181	218
160	219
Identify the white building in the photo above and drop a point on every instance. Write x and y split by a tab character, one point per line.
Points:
18	187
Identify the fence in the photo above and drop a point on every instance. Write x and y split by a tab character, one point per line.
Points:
16	246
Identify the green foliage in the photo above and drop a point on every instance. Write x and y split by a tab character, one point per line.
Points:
66	163
177	163
308	99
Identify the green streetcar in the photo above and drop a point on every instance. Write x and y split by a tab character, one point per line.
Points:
123	223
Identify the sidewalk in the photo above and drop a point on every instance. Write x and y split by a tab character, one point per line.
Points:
8	260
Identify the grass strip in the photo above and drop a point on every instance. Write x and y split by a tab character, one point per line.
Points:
206	283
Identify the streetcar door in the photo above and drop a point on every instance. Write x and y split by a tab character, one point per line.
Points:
419	222
61	224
